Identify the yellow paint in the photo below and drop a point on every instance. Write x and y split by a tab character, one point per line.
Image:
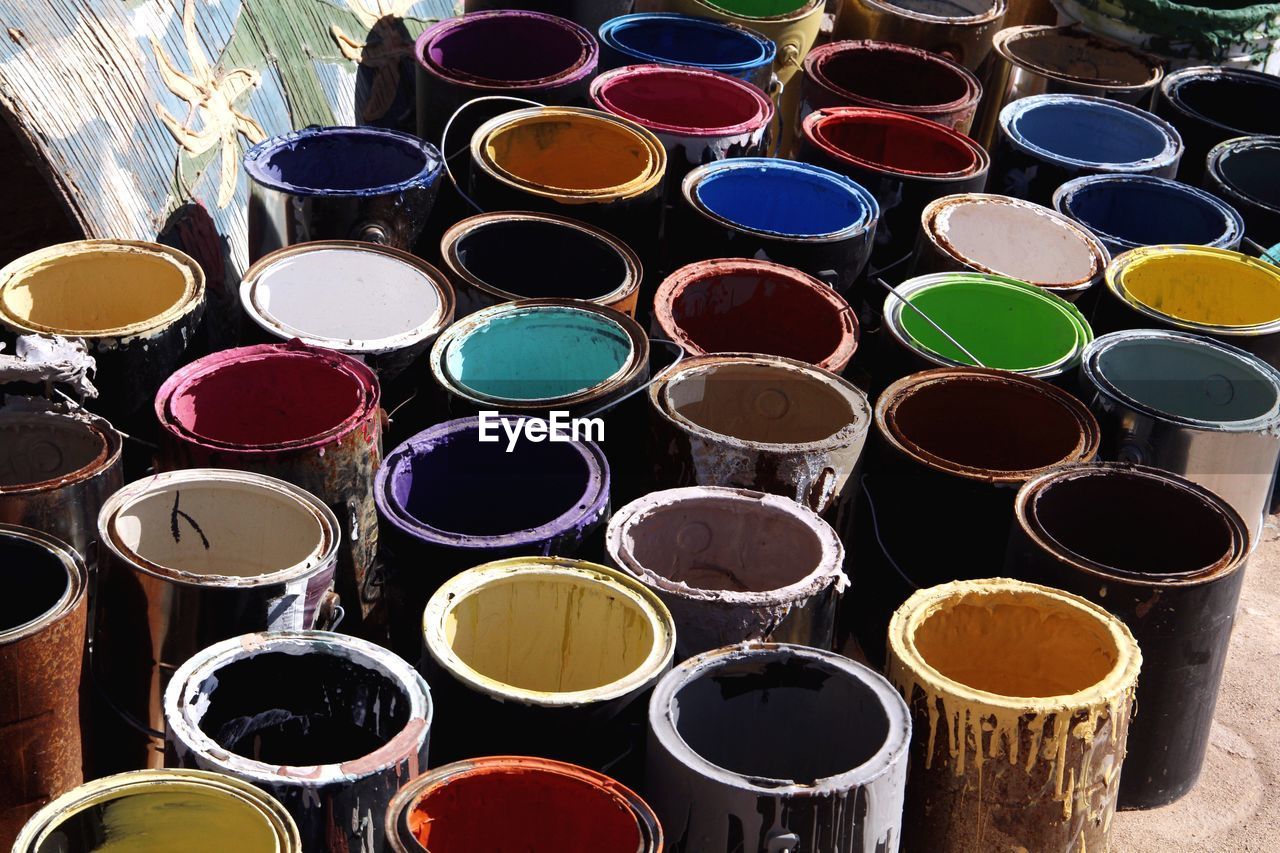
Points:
99	288
549	630
1196	284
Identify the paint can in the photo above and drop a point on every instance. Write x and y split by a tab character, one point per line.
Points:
1210	105
186	559
1190	405
1035	60
1214	292
728	306
501	257
42	637
189	810
56	469
449	501
330	725
1046	140
380	305
695	42
587	13
136	305
1128	211
1007	324
699	116
796	214
340	183
1012	238
968	438
509	52
508	802
1020	697
308	416
1242	172
961	30
1167	557
890	77
591	165
904	161
733	565
545	656
722	778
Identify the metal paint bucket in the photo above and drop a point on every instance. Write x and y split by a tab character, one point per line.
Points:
501	257
42	637
136	305
340	183
1210	105
699	116
969	439
545	656
758	307
905	161
1190	405
1128	211
374	303
668	39
527	53
733	565
1035	60
1046	140
56	469
449	501
722	777
1012	238
588	13
1007	324
1165	556
189	810
792	25
813	219
1242	172
763	423
1020	697
329	725
890	77
958	29
187	559
510	802
587	164
1215	292
308	416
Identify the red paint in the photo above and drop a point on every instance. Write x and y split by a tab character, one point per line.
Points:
880	139
504	805
686	101
268	397
756	306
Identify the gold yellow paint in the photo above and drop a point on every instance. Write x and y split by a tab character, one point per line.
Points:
99	288
1213	287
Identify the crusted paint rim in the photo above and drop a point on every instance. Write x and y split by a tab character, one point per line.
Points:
1014	110
1220	153
997	10
819	56
107	458
431	170
600	97
812	126
1171	86
588	56
184	693
1004	39
72	597
446	598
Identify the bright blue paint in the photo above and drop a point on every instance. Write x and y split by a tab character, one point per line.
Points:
358	161
1087	131
784	197
670	39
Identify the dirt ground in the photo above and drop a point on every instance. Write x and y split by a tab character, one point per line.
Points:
1236	804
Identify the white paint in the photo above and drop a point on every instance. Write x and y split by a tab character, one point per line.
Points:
1017	239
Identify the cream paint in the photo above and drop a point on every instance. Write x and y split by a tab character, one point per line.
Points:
98	288
1015	238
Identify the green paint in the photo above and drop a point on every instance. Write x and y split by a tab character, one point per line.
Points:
1006	324
759	8
538	354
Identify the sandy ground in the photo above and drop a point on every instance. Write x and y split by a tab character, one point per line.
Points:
1236	804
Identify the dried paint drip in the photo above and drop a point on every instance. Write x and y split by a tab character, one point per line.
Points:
151	811
329	725
1082	529
1020	697
720	778
668	39
1208	105
534	804
733	565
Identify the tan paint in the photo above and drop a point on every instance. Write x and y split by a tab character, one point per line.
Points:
1197	284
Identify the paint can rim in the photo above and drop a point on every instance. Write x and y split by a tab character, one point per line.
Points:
107	458
997	10
1014	110
1220	153
609	29
811	128
804	10
816	59
71	598
583	66
1005	38
628	73
432	168
1170	88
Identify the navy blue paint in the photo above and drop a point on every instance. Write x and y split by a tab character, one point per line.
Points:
669	39
1127	211
1087	131
785	198
355	161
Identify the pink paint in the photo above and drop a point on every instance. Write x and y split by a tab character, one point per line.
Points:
685	101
